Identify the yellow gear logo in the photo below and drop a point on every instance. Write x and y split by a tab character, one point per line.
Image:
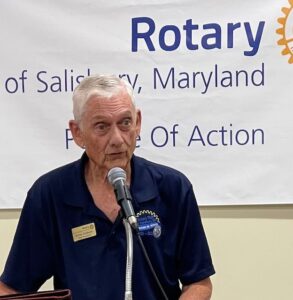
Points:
286	31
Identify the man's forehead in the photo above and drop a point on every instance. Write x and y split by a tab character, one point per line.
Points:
121	99
100	108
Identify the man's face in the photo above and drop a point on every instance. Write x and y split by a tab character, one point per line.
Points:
108	130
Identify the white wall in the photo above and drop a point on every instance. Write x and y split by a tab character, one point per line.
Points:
252	248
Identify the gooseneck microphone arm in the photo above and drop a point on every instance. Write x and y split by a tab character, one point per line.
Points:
117	178
129	261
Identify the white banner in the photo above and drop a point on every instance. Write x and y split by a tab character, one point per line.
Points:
213	80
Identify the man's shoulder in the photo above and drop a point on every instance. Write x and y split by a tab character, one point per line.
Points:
63	171
60	177
152	180
158	170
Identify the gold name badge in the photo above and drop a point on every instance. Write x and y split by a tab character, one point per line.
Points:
83	232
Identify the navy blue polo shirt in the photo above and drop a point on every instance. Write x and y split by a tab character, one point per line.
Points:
93	266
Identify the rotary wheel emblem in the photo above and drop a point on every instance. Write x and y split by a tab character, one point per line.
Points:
286	31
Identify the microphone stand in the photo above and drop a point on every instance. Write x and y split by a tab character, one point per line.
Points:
129	260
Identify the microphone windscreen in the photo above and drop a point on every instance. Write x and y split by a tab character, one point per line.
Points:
116	174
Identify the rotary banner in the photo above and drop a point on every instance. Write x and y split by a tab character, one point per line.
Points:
213	81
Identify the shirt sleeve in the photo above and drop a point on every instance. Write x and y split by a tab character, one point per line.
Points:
30	263
195	262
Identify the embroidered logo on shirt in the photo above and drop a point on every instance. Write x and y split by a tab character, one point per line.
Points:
149	223
83	232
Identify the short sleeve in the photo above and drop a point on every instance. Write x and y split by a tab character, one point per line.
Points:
30	263
194	258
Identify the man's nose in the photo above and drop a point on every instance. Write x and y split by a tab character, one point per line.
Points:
116	138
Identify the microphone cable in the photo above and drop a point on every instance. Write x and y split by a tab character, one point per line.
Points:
150	264
117	178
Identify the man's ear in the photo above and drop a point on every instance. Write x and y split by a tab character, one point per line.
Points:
138	122
76	133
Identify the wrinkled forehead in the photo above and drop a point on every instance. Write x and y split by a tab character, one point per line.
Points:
121	97
106	92
115	105
110	93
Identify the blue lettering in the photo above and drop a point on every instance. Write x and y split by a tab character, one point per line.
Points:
146	36
189	27
254	132
68	137
171	76
245	138
42	81
143	28
208	138
199	138
164	143
216	36
254	42
162	37
230	37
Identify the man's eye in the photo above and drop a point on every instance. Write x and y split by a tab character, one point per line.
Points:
101	126
126	122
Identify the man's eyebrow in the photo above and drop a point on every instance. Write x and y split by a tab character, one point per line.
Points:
125	114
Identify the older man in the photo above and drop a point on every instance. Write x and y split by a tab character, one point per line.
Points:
70	227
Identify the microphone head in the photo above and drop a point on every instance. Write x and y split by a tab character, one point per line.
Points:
116	174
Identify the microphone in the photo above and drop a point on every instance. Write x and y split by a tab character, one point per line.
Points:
117	178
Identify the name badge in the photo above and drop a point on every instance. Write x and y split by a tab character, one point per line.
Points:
83	232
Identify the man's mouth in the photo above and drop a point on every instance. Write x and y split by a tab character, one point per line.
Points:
116	154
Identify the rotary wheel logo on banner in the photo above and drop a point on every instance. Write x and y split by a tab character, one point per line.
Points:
286	31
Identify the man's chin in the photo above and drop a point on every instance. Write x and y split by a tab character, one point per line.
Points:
118	162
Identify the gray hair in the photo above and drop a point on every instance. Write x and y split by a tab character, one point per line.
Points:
104	86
